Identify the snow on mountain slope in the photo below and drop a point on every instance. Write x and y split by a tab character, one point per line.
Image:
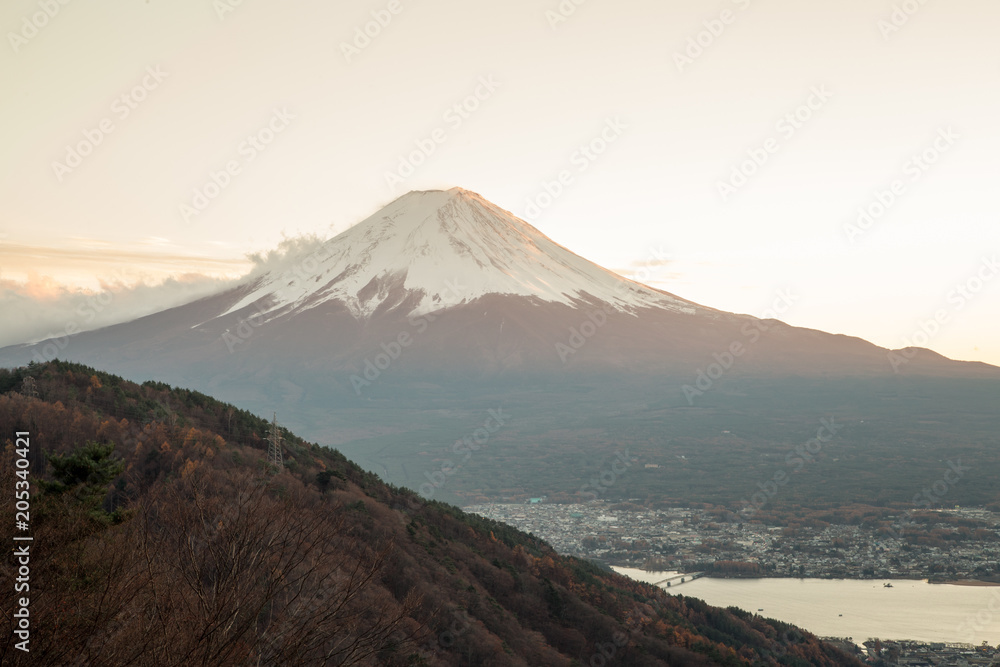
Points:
449	247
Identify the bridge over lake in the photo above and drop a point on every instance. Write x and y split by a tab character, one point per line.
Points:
677	579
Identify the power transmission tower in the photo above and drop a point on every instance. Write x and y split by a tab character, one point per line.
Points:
274	445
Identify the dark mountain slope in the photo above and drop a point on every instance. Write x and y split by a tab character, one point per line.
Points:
203	553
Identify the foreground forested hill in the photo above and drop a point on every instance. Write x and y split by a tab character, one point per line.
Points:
162	536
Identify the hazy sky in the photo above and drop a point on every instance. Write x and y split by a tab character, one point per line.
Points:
737	138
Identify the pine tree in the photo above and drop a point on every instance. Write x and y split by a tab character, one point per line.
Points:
84	476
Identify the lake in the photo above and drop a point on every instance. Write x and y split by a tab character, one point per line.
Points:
911	609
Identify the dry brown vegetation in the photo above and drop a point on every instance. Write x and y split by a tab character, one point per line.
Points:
193	550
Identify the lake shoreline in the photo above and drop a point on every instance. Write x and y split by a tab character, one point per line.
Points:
965	582
943	582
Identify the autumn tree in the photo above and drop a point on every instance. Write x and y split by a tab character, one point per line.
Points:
239	575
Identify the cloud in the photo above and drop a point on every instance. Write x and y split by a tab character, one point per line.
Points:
42	307
289	252
87	262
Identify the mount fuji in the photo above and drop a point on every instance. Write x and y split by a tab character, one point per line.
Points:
444	304
470	291
425	243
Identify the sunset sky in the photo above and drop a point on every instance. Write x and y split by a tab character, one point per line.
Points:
736	138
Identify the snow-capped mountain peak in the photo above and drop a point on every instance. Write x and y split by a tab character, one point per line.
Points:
448	247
